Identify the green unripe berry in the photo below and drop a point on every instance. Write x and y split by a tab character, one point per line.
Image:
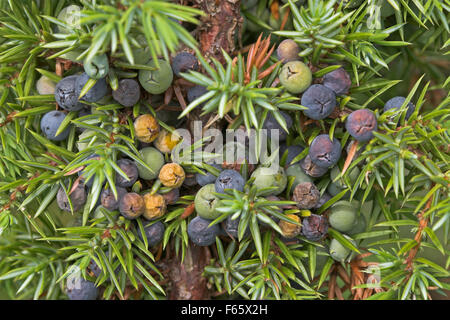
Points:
265	177
359	226
206	202
154	159
343	216
295	76
338	252
296	171
156	81
71	16
98	67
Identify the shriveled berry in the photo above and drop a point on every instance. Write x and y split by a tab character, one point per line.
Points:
108	199
154	159
146	128
128	92
50	123
311	169
66	95
155	206
184	62
80	289
324	152
319	100
229	179
196	92
288	50
172	175
314	227
272	124
172	196
199	232
131	205
361	124
207	178
296	171
295	76
154	233
96	93
131	171
206	202
396	103
98	67
290	230
268	177
306	195
338	80
45	86
77	198
156	81
166	141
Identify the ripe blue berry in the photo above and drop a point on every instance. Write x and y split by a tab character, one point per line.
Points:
97	92
77	198
50	123
229	179
128	92
195	92
319	100
208	177
272	124
200	234
66	95
108	199
396	103
324	152
183	62
154	233
292	152
80	289
338	80
360	124
130	169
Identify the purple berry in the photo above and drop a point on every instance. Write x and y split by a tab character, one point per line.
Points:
314	227
128	92
130	169
199	232
108	199
360	124
338	80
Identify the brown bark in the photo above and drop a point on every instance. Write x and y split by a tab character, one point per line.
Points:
186	277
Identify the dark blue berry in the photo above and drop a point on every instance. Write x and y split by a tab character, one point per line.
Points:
292	152
323	199
229	179
272	124
199	232
77	198
128	92
324	152
80	289
195	92
154	233
183	62
231	227
338	80
208	177
130	169
97	92
89	182
360	124
66	95
319	100
50	123
396	103
109	201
